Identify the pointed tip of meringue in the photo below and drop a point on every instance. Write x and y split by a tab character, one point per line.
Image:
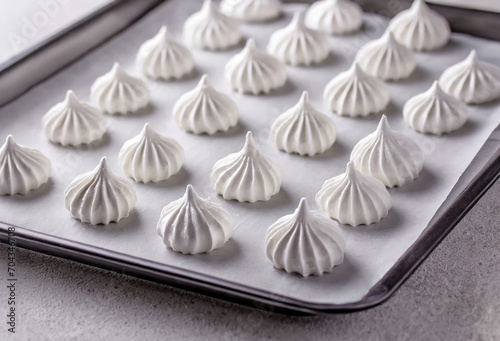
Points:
304	98
71	97
419	4
472	56
249	142
435	88
9	141
204	81
356	70
350	169
303	208
190	192
163	32
147	130
297	19
116	69
103	165
383	124
208	5
250	45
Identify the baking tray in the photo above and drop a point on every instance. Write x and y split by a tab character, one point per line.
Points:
480	174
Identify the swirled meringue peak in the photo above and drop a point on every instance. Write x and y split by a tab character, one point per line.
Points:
194	225
388	155
355	93
22	169
471	80
305	242
251	10
251	71
354	198
209	29
420	28
434	112
385	58
297	44
334	16
99	196
205	110
163	58
150	156
303	130
246	175
72	122
116	92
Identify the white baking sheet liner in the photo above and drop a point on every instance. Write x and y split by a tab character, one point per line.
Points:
370	252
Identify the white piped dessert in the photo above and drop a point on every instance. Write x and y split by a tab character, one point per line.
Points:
192	225
297	44
251	71
72	122
434	112
205	110
209	29
99	196
303	130
334	16
388	155
22	169
251	10
354	198
386	59
305	242
116	92
355	93
161	57
420	28
472	80
150	156
247	175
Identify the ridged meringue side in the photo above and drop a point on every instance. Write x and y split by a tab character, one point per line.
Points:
116	92
99	196
251	71
194	225
386	59
72	122
163	58
355	93
297	44
434	112
22	169
471	80
246	175
420	28
210	29
354	198
303	130
150	156
389	156
305	242
334	16
205	110
251	10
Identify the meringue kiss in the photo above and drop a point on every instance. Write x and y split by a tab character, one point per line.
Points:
251	10
334	16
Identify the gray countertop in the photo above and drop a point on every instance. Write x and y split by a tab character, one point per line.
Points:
453	295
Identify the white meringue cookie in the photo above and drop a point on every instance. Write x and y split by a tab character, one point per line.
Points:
334	16
354	198
72	122
246	175
385	58
99	196
22	169
150	156
355	93
251	10
251	71
303	130
420	28
194	225
305	242
471	80
211	30
163	58
434	112
116	92
205	110
297	44
389	156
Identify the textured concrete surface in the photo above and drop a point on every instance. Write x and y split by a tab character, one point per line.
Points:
454	295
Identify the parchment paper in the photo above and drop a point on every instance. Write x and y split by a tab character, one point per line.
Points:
370	252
